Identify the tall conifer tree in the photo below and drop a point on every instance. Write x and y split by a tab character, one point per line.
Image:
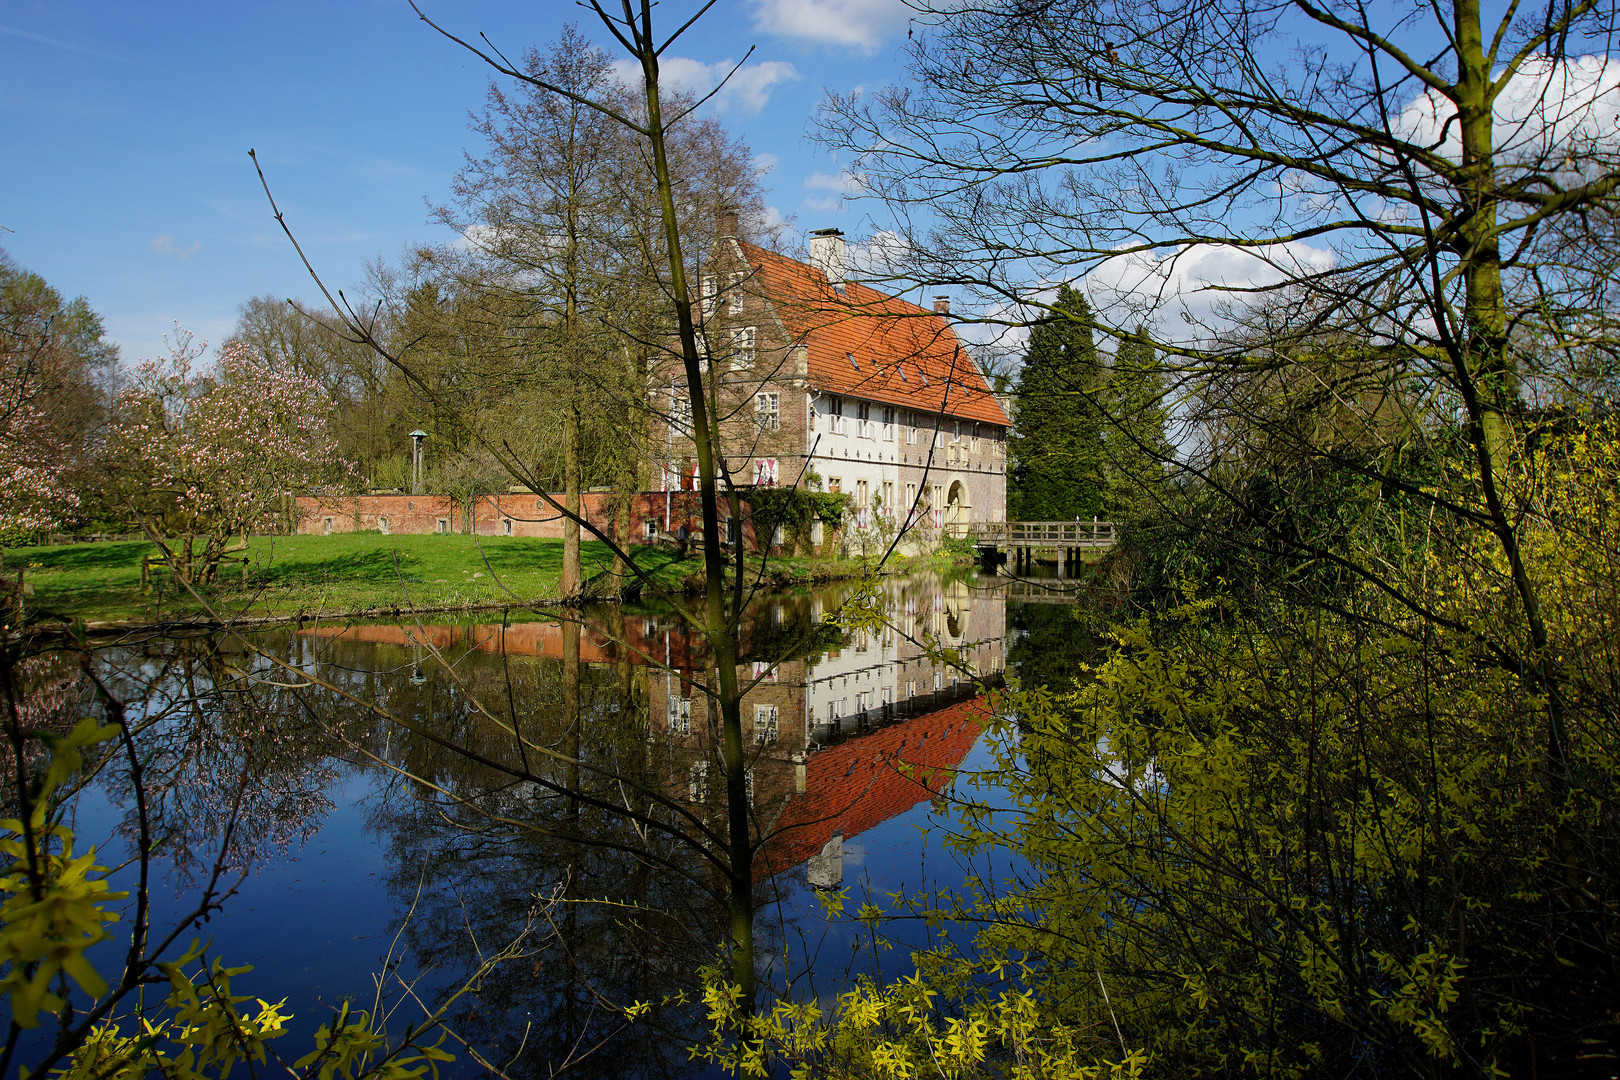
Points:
1135	441
1057	444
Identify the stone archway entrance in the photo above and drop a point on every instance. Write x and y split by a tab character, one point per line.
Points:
958	509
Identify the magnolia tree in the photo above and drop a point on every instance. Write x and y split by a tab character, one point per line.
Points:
206	457
34	496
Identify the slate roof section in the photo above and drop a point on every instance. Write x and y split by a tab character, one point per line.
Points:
858	784
871	345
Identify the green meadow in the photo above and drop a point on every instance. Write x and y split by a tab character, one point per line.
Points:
348	573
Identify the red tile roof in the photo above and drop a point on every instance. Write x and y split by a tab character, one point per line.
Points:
906	355
858	784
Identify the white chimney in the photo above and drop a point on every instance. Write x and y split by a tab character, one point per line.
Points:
827	255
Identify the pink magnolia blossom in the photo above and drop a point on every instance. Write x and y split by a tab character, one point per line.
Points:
223	451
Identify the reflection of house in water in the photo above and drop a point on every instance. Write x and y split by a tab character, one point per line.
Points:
827	734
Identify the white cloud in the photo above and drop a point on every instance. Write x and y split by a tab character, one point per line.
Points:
844	185
1548	110
880	257
1186	286
164	244
478	237
765	164
747	91
860	24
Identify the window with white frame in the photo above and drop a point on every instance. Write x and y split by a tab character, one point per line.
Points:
975	441
835	484
742	346
680	414
706	293
680	715
766	472
835	414
863	419
736	304
768	410
888	423
863	507
765	717
911	498
887	505
650	528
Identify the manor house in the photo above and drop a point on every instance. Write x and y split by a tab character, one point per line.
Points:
826	384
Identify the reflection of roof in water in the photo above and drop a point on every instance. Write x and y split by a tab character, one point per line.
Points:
858	784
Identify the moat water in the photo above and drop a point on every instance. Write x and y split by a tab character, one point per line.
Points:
390	806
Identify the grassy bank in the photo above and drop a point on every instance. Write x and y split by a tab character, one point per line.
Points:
350	572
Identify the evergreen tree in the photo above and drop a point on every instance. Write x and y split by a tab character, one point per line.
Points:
1135	441
1057	445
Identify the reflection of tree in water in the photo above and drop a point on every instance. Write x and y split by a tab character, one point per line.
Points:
1047	641
224	748
50	696
476	860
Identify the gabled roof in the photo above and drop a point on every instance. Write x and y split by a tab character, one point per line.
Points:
870	345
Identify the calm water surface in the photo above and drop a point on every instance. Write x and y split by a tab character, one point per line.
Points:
373	832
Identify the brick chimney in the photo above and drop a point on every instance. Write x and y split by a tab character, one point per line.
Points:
728	222
942	305
827	255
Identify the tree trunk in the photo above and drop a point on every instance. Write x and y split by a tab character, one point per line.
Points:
572	576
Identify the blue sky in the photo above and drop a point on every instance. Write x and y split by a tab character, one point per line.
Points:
126	177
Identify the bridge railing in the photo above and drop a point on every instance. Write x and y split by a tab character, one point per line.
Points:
1040	534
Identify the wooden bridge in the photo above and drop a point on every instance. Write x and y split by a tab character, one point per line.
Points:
1022	540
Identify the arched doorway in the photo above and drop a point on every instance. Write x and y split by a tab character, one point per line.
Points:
958	509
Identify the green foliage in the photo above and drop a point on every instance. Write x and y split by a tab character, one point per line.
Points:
1057	445
1135	441
905	1031
795	510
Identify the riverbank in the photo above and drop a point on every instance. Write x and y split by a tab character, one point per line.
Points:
360	575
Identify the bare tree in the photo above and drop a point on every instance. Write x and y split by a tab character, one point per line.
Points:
1396	176
643	119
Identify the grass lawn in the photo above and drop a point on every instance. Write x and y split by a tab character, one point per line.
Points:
347	572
